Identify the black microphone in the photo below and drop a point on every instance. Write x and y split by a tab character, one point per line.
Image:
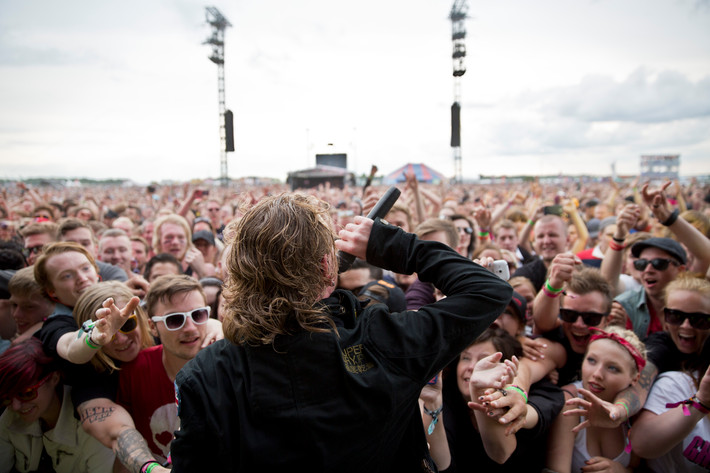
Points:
345	260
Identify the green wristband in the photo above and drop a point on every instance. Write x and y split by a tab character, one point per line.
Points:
549	287
517	390
622	403
89	343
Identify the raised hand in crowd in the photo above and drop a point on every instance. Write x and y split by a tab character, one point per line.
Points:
109	319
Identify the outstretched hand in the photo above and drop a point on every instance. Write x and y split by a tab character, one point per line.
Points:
508	406
597	413
490	373
109	319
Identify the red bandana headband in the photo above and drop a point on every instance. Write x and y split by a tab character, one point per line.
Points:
640	362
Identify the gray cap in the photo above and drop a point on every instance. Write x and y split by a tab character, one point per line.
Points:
668	245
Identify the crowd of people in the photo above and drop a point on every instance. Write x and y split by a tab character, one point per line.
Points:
192	328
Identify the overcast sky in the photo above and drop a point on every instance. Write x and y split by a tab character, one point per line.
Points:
125	89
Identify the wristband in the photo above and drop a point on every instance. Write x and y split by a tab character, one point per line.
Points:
619	240
434	417
551	294
614	246
518	390
89	343
549	287
531	222
671	219
148	466
88	327
699	405
622	403
694	402
483	234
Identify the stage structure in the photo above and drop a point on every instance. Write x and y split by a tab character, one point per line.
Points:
226	120
660	166
458	17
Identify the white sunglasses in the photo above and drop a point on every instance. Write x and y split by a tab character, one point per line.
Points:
176	320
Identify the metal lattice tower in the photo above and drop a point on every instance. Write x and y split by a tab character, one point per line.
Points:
458	17
219	23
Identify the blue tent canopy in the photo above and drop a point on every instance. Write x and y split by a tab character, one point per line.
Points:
423	172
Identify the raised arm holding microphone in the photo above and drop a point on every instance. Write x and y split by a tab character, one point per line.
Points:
307	377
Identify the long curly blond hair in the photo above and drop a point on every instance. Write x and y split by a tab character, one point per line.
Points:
281	258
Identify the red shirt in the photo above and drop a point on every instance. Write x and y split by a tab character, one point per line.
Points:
149	396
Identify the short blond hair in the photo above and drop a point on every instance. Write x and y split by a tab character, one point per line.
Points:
174	219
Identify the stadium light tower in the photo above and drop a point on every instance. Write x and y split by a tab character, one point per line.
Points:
458	16
226	131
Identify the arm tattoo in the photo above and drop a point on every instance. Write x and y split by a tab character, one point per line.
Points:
96	414
132	450
635	396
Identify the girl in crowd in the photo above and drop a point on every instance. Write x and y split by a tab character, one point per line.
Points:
39	417
468	439
613	361
466	241
130	339
673	429
525	288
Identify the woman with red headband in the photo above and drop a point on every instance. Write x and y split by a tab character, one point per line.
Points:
673	429
613	361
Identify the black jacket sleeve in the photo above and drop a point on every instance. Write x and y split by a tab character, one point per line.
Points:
422	342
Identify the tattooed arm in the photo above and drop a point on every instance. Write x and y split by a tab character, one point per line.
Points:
113	426
635	395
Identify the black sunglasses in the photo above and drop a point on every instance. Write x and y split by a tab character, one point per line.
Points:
467	230
698	320
591	319
658	264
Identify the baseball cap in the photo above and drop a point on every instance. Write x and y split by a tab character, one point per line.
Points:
395	299
519	305
593	226
668	245
203	235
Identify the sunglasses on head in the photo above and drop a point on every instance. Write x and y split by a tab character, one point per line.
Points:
591	319
698	320
658	264
27	395
176	320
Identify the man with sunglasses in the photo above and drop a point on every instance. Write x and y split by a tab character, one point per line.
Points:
179	313
566	316
660	261
36	236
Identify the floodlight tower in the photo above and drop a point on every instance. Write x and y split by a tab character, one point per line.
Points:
226	135
458	16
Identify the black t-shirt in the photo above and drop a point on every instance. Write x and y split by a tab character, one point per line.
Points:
466	445
535	271
86	382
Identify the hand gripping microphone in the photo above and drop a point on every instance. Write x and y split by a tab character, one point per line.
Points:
345	260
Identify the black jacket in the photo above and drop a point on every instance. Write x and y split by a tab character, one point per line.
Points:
327	402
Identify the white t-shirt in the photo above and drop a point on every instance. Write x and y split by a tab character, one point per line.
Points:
693	454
